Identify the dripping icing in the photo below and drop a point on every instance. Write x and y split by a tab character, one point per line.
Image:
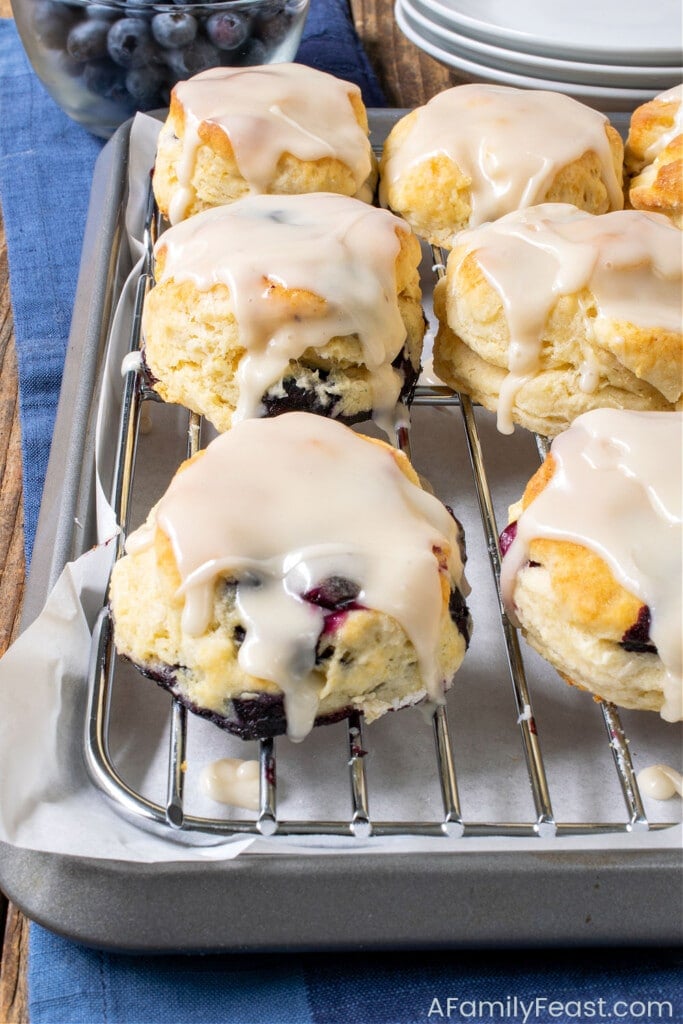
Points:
277	241
660	782
603	465
280	536
509	143
628	264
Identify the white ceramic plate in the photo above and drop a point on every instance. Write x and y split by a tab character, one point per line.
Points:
611	32
432	16
604	98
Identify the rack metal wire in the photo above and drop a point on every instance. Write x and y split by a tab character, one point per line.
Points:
171	819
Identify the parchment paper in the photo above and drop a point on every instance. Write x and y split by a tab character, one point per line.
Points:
48	803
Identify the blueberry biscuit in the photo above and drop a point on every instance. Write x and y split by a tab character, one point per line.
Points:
278	303
592	558
281	128
294	571
477	152
549	312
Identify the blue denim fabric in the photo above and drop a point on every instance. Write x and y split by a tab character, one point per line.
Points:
68	983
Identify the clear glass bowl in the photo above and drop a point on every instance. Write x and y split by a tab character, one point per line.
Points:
103	61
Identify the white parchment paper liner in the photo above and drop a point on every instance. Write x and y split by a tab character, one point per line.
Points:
48	803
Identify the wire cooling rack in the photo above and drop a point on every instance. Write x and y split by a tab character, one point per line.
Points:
170	817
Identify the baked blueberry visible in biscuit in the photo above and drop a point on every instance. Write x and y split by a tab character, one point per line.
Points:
257	715
323	392
459	612
637	637
334	594
249	718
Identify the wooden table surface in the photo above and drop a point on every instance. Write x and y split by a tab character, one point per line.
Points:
409	78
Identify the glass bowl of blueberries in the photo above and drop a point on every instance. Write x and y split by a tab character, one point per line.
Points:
102	61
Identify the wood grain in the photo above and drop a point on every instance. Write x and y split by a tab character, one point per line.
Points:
13	1003
409	78
13	993
13	925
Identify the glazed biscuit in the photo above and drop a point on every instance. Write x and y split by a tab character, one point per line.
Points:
477	152
591	563
551	311
654	156
280	128
295	571
277	303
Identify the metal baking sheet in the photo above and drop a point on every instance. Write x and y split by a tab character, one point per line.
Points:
469	899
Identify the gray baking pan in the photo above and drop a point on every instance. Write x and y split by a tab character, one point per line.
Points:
269	903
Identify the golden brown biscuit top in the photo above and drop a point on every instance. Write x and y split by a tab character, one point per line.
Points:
653	127
654	156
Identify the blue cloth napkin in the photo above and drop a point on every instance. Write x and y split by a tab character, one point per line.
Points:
70	984
46	163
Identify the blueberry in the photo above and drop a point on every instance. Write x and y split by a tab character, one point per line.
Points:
192	59
254	53
145	85
52	23
130	43
174	28
88	40
335	593
105	79
637	637
506	538
101	12
272	26
460	615
227	30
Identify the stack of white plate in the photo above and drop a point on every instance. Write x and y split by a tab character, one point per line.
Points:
614	54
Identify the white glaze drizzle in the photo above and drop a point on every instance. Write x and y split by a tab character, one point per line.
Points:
258	505
266	112
617	489
660	782
332	246
630	262
131	363
510	143
233	781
